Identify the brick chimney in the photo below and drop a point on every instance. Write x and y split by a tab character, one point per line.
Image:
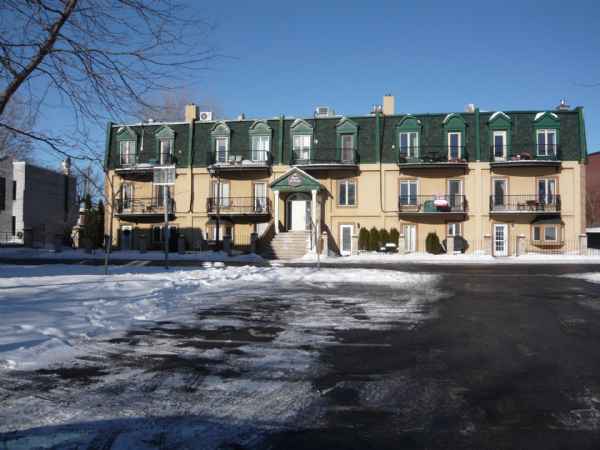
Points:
191	112
389	105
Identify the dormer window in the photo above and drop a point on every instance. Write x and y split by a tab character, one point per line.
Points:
165	151
302	147
409	144
546	142
454	145
260	147
127	152
347	147
222	149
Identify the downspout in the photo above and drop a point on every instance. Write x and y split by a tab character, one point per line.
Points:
191	164
379	154
477	141
281	132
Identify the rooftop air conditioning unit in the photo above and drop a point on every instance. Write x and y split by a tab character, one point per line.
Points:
206	116
324	111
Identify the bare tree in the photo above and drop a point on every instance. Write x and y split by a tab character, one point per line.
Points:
101	58
17	115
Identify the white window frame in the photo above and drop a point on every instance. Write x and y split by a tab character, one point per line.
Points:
450	134
343	184
261	144
416	195
412	151
542	233
456	228
161	152
546	132
302	151
547	182
224	199
260	201
127	191
127	152
345	148
225	140
504	135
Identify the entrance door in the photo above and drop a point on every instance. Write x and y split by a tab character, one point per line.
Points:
500	239
410	238
126	237
346	232
298	210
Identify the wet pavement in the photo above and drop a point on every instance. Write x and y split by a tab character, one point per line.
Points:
479	357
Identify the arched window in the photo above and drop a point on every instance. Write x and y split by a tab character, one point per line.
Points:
546	126
260	141
127	139
499	125
302	135
454	132
347	140
165	142
408	138
220	142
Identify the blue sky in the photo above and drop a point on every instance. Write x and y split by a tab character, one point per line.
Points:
288	57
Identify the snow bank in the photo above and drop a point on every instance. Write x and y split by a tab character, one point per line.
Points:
52	312
592	277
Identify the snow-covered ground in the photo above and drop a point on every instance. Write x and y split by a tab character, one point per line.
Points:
49	311
592	277
193	358
427	258
78	254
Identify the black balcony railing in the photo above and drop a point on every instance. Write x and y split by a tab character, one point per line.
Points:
508	153
241	159
432	154
324	156
238	205
525	203
432	204
144	206
131	161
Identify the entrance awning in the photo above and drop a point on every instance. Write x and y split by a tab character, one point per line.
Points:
296	180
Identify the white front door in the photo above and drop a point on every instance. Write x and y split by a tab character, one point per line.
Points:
500	239
410	238
346	232
298	210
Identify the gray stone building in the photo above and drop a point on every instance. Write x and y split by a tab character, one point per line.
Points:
37	205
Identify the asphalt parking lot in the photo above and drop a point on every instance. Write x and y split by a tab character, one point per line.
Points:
484	358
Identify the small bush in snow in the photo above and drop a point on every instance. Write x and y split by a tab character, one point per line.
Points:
363	239
394	236
384	236
373	239
432	244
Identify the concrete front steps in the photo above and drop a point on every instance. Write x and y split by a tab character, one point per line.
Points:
287	245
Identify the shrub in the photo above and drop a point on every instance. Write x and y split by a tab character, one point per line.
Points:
373	239
384	236
432	244
363	239
394	236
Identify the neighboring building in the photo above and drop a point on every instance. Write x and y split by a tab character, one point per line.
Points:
36	204
490	177
592	181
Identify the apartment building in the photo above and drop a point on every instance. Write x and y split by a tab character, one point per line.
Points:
500	179
37	205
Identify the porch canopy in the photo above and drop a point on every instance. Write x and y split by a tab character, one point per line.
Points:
296	180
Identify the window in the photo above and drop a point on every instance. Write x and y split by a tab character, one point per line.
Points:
455	198
408	193
157	234
302	147
547	191
127	150
166	151
454	229
224	231
127	195
409	144
500	193
347	141
499	145
260	147
223	189
159	195
454	145
260	197
549	233
347	193
2	193
222	149
546	142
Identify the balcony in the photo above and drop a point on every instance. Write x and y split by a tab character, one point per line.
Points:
238	206
541	156
432	157
130	166
525	204
144	208
433	205
249	160
325	158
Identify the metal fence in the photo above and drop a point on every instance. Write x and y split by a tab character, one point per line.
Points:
525	203
238	205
